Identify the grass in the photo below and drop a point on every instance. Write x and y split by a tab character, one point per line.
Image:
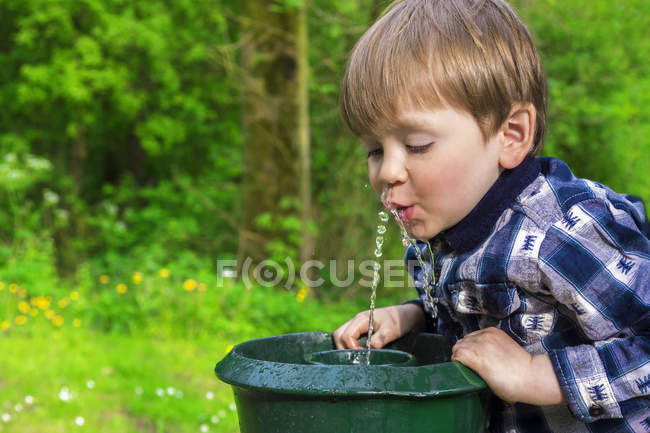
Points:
141	359
113	381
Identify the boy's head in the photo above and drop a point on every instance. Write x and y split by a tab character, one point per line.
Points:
474	56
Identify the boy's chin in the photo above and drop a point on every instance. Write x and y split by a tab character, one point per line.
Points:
418	232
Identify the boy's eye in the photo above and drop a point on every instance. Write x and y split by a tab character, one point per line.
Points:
412	149
418	149
375	152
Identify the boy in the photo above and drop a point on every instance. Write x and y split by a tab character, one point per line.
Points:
543	279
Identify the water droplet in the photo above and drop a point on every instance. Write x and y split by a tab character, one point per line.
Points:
378	252
381	229
376	266
383	216
379	241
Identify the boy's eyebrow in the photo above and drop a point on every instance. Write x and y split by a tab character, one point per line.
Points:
415	121
410	121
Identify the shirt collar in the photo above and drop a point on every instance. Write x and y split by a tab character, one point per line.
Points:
472	230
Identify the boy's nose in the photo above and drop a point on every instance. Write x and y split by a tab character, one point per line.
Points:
393	168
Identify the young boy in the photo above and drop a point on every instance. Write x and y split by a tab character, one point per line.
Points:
543	279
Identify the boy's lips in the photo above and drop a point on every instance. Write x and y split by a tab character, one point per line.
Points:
405	212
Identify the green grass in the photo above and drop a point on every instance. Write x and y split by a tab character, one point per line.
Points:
162	335
42	365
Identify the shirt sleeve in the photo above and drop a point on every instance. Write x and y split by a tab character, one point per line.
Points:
596	262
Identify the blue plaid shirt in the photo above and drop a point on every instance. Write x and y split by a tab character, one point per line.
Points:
562	265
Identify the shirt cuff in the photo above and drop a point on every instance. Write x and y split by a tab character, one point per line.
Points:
584	382
430	324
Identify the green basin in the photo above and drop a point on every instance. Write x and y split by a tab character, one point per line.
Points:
277	391
360	356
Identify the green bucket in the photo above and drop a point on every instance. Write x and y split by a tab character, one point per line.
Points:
280	387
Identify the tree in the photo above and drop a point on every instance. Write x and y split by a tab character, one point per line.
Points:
276	180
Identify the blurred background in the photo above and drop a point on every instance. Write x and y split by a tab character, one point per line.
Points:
143	144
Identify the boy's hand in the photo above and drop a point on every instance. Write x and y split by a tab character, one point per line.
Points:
390	323
512	373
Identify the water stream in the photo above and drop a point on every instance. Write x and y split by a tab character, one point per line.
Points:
429	277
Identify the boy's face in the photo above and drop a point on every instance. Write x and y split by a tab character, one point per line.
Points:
436	165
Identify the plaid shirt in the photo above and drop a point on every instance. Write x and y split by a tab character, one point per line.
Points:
562	265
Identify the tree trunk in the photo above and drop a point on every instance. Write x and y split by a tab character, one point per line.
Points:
304	145
275	120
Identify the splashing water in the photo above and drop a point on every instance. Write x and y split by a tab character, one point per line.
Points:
430	301
379	242
429	278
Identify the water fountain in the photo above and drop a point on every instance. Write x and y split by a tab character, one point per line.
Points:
299	383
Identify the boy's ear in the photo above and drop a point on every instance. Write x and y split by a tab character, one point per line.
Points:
518	133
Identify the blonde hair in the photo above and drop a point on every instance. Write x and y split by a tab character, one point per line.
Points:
473	55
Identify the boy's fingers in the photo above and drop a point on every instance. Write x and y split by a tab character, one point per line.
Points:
339	334
351	335
346	336
382	336
465	356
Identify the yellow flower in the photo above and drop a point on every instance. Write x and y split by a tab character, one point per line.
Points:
302	293
57	321
74	295
23	307
13	287
121	288
229	348
189	285
4	325
20	320
164	273
41	302
63	302
49	314
137	277
104	279
2	285
33	312
76	323
202	287
22	293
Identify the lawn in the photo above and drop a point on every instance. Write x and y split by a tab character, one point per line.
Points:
80	380
100	356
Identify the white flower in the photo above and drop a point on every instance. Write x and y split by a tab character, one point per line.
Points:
204	428
214	419
138	390
6	417
209	395
79	421
232	407
29	399
18	407
50	197
90	384
160	392
65	394
171	390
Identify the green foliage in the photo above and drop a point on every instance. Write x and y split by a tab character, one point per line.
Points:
596	60
120	138
116	96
